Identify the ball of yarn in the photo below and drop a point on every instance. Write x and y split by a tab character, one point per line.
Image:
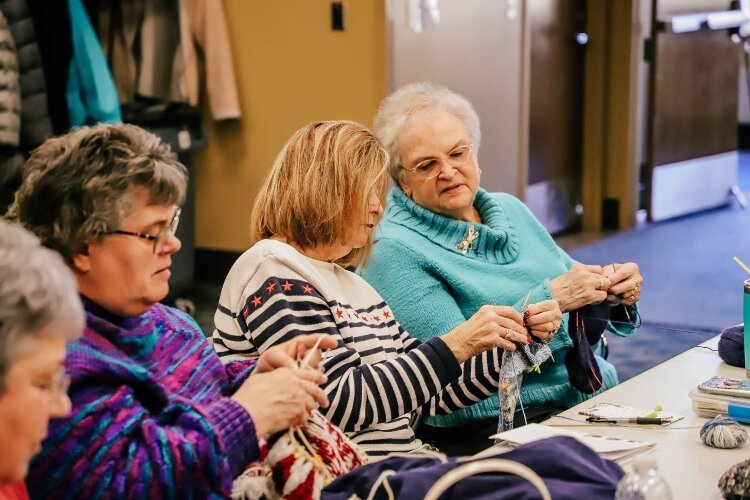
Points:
732	346
723	432
735	483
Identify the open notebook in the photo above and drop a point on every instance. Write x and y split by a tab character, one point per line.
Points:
607	447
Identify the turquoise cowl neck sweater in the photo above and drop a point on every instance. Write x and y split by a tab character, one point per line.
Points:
433	286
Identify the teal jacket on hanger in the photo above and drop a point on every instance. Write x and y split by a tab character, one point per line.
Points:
92	95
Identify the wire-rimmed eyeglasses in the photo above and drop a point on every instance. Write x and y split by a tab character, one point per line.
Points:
56	388
431	167
158	239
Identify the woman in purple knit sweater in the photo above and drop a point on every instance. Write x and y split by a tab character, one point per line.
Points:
154	413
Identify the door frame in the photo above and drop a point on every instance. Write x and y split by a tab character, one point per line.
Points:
616	84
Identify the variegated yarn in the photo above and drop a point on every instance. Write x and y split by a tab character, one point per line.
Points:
723	432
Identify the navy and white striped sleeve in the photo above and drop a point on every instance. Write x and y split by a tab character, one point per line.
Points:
361	394
480	377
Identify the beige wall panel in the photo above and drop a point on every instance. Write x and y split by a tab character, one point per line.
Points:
291	69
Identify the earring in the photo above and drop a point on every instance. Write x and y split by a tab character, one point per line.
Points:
479	171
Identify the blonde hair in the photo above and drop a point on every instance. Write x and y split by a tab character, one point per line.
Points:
412	99
322	177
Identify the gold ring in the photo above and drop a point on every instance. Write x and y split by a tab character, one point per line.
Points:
508	333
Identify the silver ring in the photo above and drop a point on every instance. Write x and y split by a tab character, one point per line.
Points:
601	284
508	333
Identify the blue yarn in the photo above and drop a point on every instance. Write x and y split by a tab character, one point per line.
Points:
732	346
723	432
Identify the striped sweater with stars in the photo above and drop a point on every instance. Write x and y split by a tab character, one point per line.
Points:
378	376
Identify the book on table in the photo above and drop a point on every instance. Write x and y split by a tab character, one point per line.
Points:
728	386
709	405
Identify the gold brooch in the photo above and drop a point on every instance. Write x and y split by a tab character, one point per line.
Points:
465	244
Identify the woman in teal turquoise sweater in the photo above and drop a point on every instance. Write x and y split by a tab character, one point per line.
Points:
445	247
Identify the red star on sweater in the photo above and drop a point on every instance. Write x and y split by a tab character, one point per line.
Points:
376	318
256	301
286	286
271	286
386	314
339	314
307	288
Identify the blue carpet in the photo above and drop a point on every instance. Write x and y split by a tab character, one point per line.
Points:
692	288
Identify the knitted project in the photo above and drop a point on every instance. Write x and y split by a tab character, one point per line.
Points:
515	363
735	483
300	463
583	370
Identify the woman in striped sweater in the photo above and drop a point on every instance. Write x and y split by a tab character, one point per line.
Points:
312	219
154	412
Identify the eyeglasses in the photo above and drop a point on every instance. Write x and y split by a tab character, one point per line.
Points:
431	168
57	387
158	239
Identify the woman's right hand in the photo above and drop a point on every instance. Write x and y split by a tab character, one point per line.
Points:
489	327
581	285
281	398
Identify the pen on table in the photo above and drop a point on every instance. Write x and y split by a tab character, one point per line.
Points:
635	420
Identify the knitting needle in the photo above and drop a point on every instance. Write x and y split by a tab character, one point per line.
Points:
741	264
525	304
310	353
520	400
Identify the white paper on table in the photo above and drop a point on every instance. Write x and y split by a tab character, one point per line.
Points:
606	446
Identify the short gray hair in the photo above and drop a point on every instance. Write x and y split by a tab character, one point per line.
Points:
36	290
414	98
81	184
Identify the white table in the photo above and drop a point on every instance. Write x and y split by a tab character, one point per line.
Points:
691	468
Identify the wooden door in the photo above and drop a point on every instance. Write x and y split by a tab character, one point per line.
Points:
692	131
557	34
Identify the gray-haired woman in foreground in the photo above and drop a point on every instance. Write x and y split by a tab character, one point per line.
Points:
39	313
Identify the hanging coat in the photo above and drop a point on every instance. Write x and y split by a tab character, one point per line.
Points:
92	96
35	121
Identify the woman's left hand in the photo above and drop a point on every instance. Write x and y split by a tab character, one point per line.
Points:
543	319
286	354
626	281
